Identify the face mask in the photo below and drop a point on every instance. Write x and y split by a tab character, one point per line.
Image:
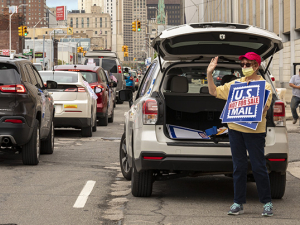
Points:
247	71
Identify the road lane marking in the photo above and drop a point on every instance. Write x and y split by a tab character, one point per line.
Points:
84	194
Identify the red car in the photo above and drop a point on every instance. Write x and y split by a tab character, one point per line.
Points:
96	77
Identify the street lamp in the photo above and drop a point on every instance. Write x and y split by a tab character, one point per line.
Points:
51	45
33	52
10	26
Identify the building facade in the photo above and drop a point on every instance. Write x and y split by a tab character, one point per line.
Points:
172	11
96	25
87	4
33	11
278	16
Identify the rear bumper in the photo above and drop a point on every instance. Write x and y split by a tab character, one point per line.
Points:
207	164
72	122
18	133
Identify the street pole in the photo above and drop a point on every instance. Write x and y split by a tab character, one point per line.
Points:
44	51
10	34
33	50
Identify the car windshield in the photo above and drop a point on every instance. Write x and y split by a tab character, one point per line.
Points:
38	67
90	77
110	65
60	77
7	74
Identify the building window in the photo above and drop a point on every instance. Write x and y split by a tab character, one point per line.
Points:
100	21
82	23
105	32
71	22
87	22
95	32
95	22
76	22
105	21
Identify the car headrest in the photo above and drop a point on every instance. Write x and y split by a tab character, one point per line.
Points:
204	90
228	78
179	84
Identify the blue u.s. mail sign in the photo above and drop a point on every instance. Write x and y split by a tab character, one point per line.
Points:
245	103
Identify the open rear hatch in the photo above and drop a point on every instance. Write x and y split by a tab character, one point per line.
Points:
207	40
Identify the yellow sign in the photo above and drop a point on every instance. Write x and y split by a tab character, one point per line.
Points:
70	30
70	106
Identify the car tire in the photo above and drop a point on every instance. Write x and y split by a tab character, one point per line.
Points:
141	182
125	168
87	131
31	150
103	121
94	129
47	146
277	183
111	119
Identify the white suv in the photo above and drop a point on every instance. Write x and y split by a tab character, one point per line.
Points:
174	92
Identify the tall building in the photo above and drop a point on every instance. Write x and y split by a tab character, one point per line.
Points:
280	17
33	12
87	4
96	25
110	7
172	11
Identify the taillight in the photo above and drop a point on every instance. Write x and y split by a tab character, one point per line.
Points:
277	160
218	78
19	88
273	78
131	78
279	113
81	89
119	69
153	157
137	80
150	111
71	90
99	86
13	121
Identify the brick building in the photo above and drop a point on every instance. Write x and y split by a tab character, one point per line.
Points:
17	42
33	12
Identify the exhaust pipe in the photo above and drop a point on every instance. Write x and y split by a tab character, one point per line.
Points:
5	140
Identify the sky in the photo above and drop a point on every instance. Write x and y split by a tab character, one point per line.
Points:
71	4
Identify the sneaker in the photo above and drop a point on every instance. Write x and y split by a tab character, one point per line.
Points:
268	209
236	209
295	121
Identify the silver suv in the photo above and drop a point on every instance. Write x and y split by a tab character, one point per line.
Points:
174	92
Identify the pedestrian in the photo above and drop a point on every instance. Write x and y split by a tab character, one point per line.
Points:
295	101
129	80
242	139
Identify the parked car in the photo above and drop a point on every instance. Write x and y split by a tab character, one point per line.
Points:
75	105
26	110
112	87
96	77
149	153
108	61
39	66
136	79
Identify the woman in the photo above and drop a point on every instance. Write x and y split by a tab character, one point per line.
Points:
242	139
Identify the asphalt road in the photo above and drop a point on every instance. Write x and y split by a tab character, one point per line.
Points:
81	183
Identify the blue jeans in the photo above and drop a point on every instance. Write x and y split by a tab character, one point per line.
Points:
294	105
241	142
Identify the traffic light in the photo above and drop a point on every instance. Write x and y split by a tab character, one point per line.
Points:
126	48
125	54
138	25
78	49
81	49
20	30
123	48
25	30
84	52
134	26
134	59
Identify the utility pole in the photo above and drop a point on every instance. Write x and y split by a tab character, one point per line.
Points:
44	51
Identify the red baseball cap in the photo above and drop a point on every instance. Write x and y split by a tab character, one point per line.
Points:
251	56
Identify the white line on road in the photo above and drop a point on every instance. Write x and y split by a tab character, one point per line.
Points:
84	194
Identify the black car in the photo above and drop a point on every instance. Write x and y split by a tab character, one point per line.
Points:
26	110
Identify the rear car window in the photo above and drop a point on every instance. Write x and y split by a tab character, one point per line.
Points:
8	74
90	77
60	77
110	65
92	61
38	67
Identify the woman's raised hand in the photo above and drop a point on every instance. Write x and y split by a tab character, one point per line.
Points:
213	63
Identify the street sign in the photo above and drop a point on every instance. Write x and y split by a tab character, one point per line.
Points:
39	54
27	52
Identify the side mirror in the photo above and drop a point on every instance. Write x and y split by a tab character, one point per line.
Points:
125	95
50	84
97	90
